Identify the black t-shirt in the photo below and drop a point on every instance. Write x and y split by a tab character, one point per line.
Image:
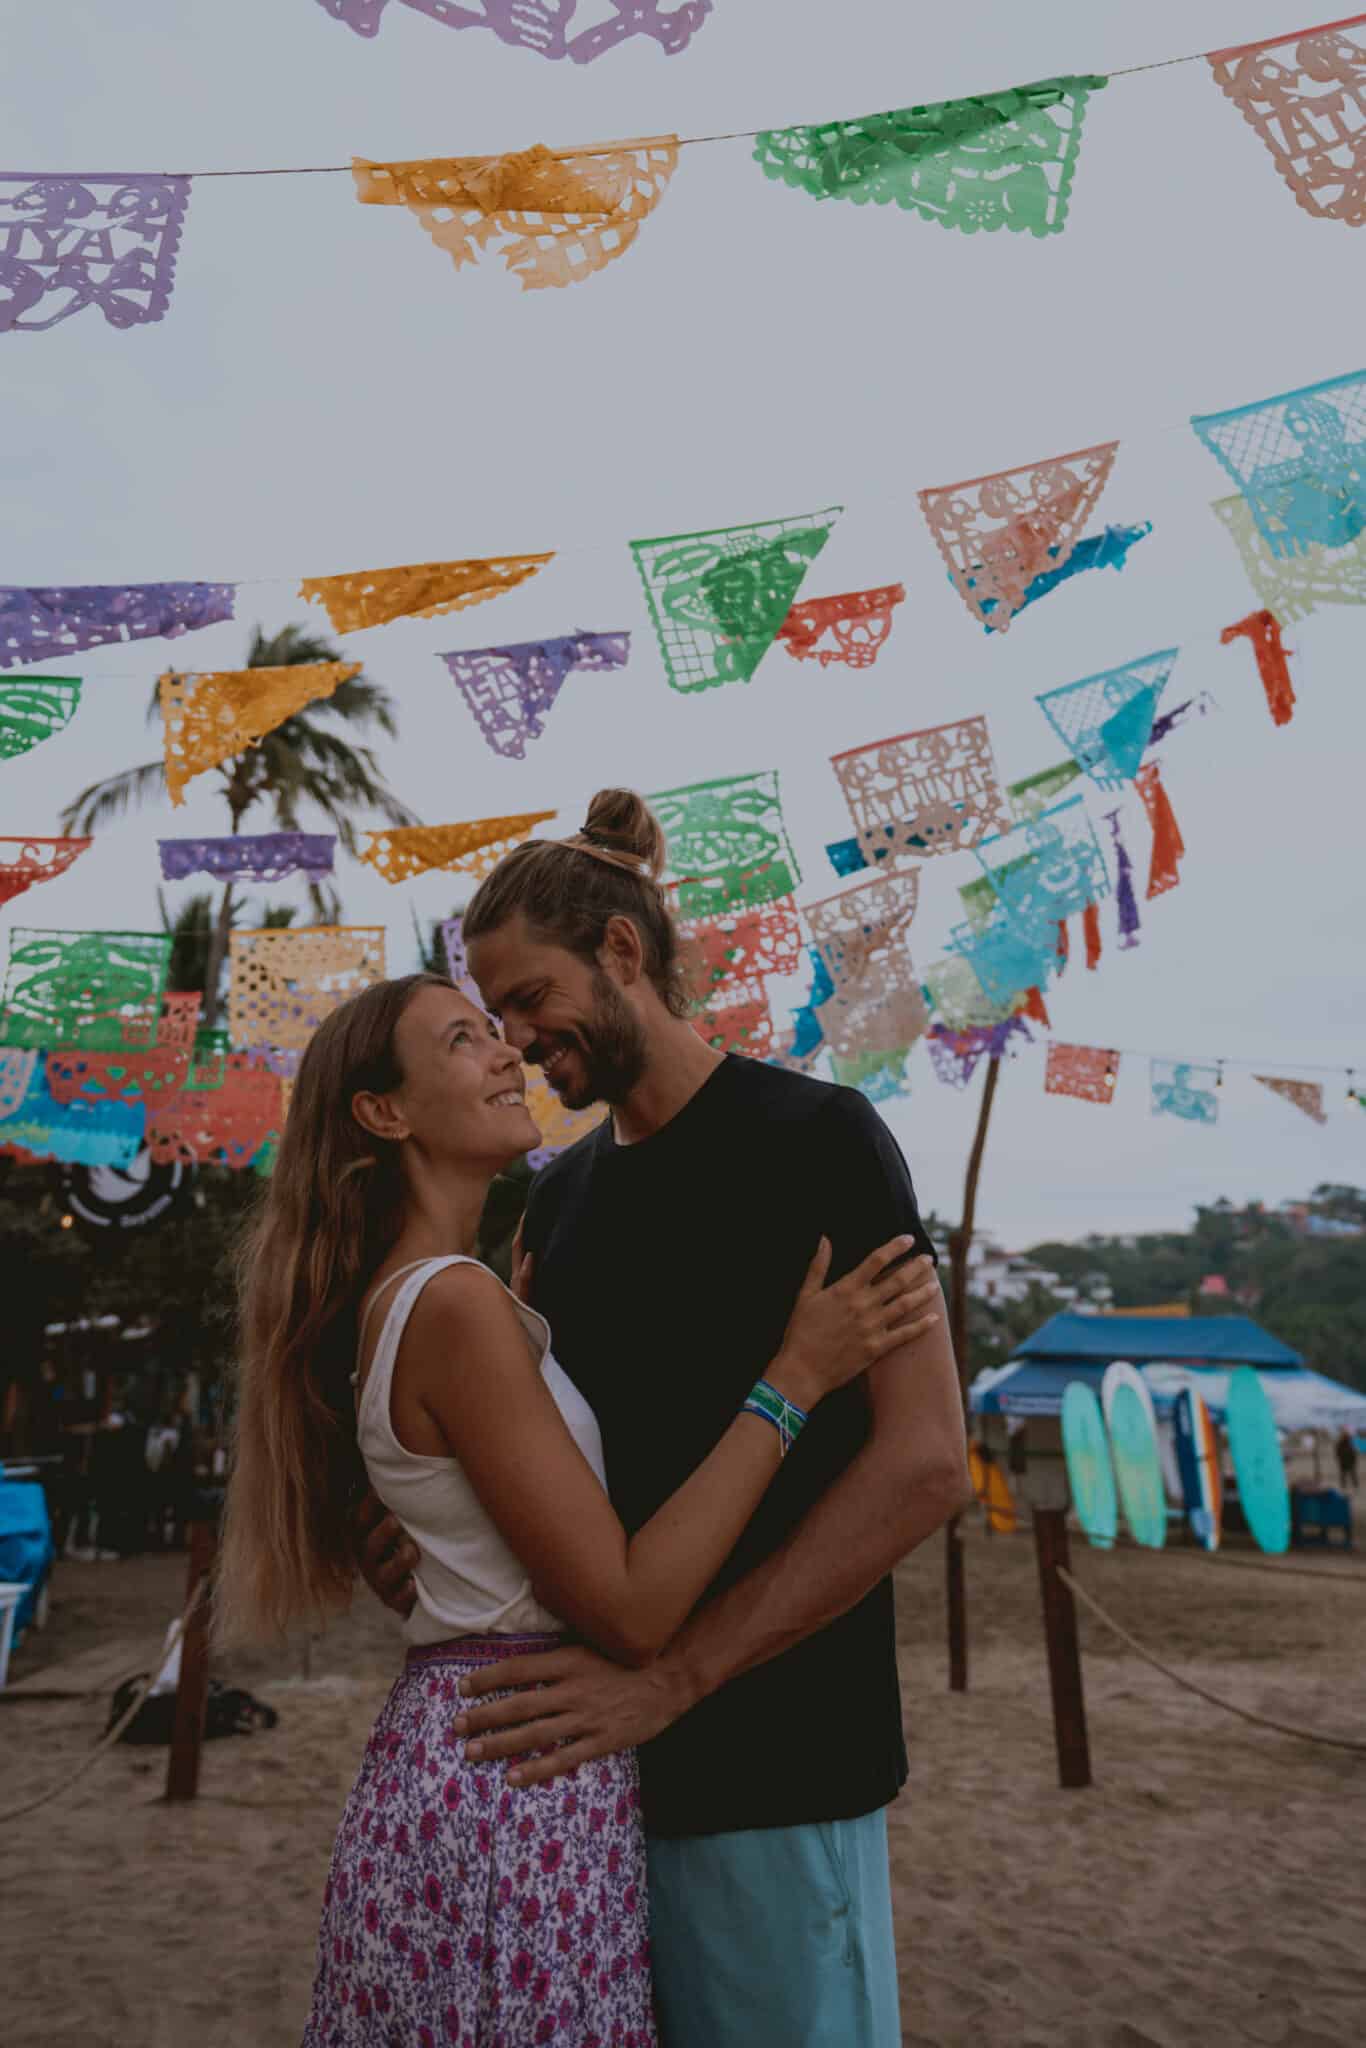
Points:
667	1271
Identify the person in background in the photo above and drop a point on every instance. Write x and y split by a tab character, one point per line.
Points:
1346	1449
118	1477
664	1249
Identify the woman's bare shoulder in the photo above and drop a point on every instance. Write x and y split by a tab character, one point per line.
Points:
465	1303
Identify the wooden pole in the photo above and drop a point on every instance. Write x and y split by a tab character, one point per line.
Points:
1064	1650
187	1729
960	1241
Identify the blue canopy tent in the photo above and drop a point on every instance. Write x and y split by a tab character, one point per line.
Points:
1171	1352
1189	1340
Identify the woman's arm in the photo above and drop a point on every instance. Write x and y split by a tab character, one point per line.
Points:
628	1595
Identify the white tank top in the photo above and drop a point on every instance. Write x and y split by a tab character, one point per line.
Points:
468	1581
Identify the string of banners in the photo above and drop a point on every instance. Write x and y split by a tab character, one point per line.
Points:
101	1059
991	162
719	599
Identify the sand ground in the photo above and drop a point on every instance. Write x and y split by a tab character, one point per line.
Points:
1208	1889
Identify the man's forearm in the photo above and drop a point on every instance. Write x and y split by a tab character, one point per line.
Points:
875	1514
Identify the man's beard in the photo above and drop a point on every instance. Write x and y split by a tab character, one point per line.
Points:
612	1047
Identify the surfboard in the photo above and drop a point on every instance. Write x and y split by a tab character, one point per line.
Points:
1197	1452
992	1488
1090	1473
1129	1412
1255	1444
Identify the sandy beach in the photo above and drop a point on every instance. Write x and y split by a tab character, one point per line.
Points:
1205	1890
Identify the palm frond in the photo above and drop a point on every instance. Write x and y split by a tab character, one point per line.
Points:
306	763
103	802
326	902
290	647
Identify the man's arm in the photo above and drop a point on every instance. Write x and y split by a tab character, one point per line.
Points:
909	1478
906	1482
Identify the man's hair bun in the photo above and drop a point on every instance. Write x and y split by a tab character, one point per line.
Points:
626	824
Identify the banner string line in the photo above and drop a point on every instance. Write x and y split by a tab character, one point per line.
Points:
726	135
1213	1059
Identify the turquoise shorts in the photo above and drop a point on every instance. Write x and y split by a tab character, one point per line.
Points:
775	1938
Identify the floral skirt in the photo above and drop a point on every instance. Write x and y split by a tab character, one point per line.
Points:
461	1910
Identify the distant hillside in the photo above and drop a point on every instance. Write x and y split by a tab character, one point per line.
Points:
1300	1270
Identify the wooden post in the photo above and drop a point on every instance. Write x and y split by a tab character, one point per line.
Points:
960	1241
1064	1653
187	1729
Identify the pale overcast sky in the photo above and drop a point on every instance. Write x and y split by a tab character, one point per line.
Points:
328	394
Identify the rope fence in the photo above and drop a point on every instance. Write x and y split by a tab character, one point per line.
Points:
1214	1699
111	1735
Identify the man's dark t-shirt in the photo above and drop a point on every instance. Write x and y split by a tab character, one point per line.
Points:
668	1270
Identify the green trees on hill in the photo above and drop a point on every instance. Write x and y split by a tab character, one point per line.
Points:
1307	1289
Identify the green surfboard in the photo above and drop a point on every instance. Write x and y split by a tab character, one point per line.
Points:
1090	1473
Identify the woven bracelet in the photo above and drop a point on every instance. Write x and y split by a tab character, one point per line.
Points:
787	1418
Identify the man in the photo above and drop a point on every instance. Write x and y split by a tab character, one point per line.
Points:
1346	1448
665	1250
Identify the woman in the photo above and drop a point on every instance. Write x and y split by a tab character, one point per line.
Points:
460	1908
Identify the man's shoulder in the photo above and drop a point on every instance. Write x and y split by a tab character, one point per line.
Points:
779	1094
565	1170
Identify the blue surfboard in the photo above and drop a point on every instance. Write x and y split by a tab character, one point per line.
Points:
1197	1454
1089	1470
1255	1444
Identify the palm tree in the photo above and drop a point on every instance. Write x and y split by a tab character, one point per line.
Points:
303	762
192	929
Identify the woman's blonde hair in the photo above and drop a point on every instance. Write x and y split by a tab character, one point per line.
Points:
332	1210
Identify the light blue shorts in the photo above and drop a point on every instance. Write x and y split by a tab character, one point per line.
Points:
775	1938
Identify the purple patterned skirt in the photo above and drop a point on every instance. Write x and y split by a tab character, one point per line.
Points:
461	1910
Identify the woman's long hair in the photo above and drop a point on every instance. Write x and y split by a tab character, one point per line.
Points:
331	1213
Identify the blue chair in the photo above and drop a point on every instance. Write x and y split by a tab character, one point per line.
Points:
26	1547
1315	1512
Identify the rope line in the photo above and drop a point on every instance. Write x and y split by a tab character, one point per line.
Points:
111	1735
1217	1561
693	141
1200	1691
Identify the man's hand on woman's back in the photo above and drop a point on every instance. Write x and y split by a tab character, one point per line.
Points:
385	1555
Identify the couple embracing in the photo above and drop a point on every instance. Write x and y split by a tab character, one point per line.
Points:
640	1510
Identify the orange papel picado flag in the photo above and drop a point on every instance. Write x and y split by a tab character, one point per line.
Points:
473	848
206	719
421	590
555	215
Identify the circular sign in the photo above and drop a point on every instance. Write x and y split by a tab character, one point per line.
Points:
1255	1444
1089	1470
1138	1467
125	1197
